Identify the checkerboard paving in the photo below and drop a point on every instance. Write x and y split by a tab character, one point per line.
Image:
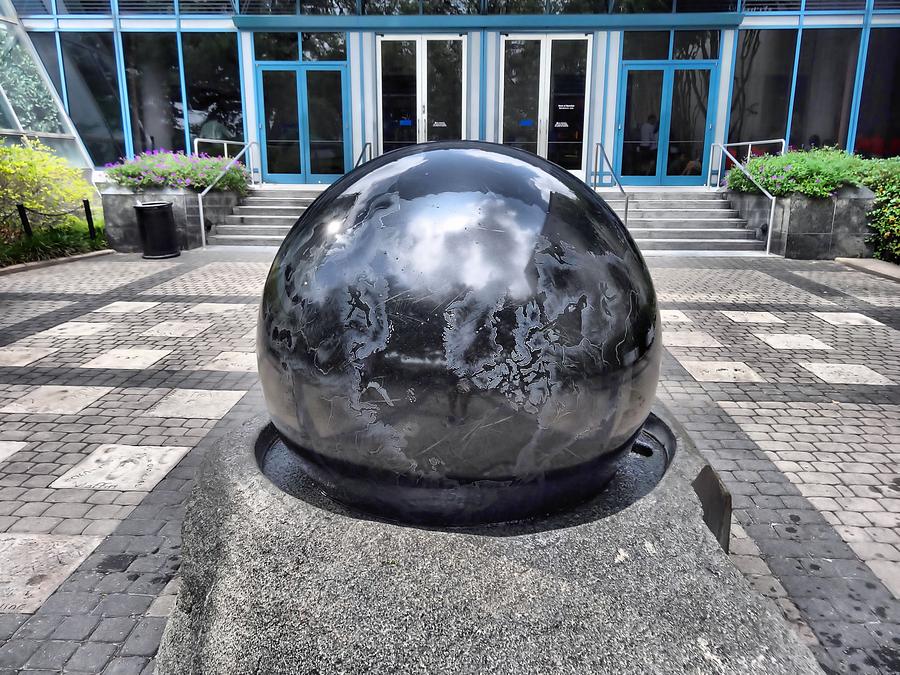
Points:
118	374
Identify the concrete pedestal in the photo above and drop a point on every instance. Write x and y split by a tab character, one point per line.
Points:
276	584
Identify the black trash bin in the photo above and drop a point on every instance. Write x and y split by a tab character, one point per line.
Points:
156	225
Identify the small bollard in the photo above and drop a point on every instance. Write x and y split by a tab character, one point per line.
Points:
89	218
23	216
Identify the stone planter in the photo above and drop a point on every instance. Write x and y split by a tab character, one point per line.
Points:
121	222
808	228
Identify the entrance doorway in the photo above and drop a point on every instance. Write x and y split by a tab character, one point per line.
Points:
304	123
542	99
422	89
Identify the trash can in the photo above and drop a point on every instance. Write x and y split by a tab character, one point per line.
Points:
156	225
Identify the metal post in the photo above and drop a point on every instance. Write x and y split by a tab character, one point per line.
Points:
202	221
23	216
90	219
771	225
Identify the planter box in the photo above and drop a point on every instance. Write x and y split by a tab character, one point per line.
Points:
120	219
805	228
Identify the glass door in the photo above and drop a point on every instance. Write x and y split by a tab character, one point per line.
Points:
422	89
543	97
303	123
664	124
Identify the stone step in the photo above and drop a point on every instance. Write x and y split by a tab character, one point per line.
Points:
690	233
299	202
685	222
701	244
292	193
659	204
295	211
254	230
245	240
686	214
260	220
674	195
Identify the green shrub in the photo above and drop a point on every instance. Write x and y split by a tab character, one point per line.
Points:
814	173
161	169
883	178
47	243
48	186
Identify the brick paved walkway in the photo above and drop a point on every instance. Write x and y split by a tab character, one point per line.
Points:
116	374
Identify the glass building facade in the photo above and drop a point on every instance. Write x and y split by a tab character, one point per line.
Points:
312	85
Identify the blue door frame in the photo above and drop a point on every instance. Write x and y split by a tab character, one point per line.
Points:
301	69
668	69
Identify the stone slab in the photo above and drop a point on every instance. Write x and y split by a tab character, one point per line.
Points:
125	307
196	403
847	318
214	308
34	565
125	358
753	317
22	356
689	338
845	373
75	329
56	399
792	341
122	467
720	371
237	362
9	448
177	329
277	584
674	316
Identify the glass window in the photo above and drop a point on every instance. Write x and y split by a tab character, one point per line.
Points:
696	44
324	92
275	47
213	88
705	5
645	45
390	7
568	75
154	91
444	93
20	79
761	91
834	5
89	61
451	6
330	7
398	94
825	76
82	7
521	95
6	9
324	47
7	121
642	6
578	6
515	7
27	8
45	46
878	130
268	6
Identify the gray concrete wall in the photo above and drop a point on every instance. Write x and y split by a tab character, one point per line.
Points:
120	218
808	228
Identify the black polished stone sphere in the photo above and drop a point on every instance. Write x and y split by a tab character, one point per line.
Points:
459	333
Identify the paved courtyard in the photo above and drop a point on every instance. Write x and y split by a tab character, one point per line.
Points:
117	374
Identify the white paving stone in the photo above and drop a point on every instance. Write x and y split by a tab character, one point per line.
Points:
76	329
127	307
32	566
135	359
22	356
845	373
196	403
753	317
847	319
792	341
240	362
674	316
177	329
55	399
122	467
721	371
9	448
688	338
888	572
215	308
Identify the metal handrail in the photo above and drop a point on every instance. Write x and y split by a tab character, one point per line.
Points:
749	144
758	187
367	150
198	141
599	151
230	164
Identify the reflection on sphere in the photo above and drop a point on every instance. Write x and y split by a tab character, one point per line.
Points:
458	333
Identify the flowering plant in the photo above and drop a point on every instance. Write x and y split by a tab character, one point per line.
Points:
814	173
161	169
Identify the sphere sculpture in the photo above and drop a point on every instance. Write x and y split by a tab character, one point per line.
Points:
459	333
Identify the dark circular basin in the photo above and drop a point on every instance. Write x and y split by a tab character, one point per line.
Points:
459	333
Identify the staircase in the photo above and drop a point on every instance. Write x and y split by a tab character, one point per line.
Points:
680	221
265	216
684	221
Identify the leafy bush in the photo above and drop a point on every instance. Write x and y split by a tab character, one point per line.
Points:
814	173
883	178
48	186
52	242
161	169
819	173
